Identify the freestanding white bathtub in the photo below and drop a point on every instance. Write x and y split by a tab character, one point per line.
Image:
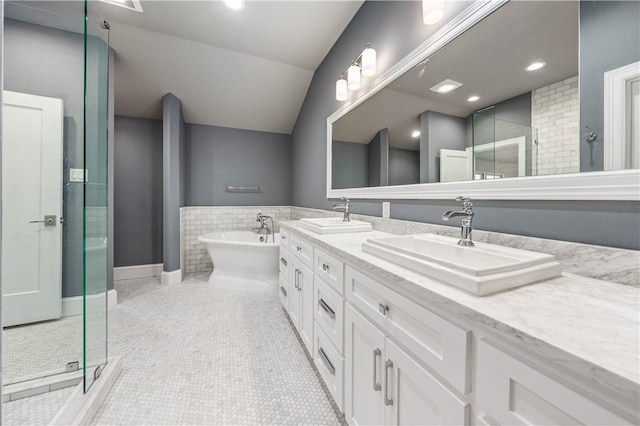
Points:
241	255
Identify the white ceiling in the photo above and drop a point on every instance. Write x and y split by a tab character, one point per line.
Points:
249	69
488	59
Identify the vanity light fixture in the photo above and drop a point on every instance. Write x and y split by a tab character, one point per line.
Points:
364	64
432	11
473	98
446	86
236	5
353	77
415	133
341	89
535	66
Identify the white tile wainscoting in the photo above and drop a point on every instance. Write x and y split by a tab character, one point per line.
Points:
196	221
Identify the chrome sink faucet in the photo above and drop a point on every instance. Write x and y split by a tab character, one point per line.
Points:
344	207
467	217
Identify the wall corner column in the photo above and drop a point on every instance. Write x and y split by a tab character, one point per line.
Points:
172	141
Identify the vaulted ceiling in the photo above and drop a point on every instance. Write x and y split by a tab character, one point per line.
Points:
249	69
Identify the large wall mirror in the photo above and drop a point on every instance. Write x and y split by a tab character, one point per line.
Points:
493	100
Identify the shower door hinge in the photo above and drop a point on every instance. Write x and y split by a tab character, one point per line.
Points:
97	372
72	366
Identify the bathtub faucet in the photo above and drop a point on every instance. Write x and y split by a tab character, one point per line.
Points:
264	228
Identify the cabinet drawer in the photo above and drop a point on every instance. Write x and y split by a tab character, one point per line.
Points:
512	392
283	291
330	269
330	365
439	344
283	262
284	238
329	312
303	250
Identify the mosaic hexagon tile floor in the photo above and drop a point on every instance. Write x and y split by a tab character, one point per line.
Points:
196	353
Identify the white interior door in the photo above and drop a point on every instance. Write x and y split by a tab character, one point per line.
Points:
454	165
31	190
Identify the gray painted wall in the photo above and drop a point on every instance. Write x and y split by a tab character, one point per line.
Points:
378	159
438	131
138	191
172	138
395	29
219	156
609	39
350	164
404	166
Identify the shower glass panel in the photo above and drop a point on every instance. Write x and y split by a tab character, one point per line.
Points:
96	89
54	189
42	143
502	149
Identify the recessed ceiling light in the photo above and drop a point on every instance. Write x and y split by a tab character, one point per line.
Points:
535	66
415	133
446	86
473	98
234	4
127	4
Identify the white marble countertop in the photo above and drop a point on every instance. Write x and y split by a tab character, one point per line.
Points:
588	326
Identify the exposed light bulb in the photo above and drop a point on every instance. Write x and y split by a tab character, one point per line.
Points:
415	133
341	90
535	66
353	77
432	11
368	62
234	4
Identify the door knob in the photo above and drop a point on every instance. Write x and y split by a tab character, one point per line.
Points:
49	220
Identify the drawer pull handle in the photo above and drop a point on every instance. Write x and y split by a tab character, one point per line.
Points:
384	309
327	309
325	267
283	237
376	386
299	249
326	362
283	261
296	284
283	291
299	285
387	399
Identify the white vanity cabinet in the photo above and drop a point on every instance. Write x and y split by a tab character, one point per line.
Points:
512	393
283	282
384	384
301	300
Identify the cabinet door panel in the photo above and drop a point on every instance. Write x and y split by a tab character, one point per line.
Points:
364	357
329	312
306	307
295	302
512	392
416	397
302	249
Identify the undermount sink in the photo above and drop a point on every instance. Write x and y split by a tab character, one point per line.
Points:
481	269
335	225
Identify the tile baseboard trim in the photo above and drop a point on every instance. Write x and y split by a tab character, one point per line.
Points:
73	305
137	271
170	278
81	408
39	386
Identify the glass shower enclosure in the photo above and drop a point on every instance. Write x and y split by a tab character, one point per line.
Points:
54	194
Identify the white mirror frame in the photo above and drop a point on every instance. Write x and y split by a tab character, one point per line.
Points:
606	185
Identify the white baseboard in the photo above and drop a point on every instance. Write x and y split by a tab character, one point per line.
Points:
95	303
169	278
137	271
